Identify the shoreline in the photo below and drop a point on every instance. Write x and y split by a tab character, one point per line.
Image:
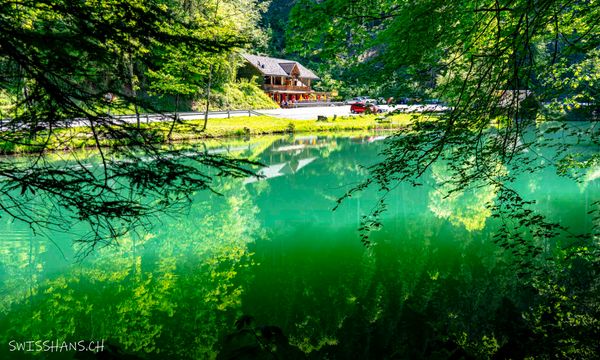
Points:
82	138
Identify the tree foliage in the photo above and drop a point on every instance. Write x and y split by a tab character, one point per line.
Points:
72	64
407	48
505	68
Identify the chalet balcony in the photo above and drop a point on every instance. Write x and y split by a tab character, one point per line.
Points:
268	87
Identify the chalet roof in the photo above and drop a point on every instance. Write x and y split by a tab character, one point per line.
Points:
288	67
278	67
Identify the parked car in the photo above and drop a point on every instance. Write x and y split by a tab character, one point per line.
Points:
408	101
384	108
361	107
355	100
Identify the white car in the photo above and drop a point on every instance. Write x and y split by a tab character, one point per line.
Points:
355	100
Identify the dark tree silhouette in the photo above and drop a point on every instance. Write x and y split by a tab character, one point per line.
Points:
64	63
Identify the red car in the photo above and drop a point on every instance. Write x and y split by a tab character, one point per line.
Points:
361	107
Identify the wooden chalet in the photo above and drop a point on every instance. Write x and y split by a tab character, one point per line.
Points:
285	81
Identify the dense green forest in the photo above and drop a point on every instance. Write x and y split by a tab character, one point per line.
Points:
425	48
378	48
159	55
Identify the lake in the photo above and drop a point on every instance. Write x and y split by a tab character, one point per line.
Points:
268	270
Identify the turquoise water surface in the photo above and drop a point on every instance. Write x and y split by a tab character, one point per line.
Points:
268	270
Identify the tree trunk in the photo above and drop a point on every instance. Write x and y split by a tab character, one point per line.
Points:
133	91
176	117
210	72
207	97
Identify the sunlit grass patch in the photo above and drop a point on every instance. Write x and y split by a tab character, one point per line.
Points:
15	142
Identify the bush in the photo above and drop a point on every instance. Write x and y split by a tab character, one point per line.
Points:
291	128
241	95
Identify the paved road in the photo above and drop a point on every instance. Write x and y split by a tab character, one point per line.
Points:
308	113
311	113
302	113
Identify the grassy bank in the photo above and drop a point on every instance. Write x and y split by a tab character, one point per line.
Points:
82	137
263	125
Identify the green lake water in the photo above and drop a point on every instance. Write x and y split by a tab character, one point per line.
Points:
433	285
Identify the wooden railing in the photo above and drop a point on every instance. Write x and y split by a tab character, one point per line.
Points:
269	87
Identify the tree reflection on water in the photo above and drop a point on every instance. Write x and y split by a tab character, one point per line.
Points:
268	270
